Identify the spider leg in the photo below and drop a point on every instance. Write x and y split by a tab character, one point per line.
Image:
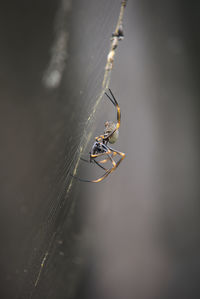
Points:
93	160
99	138
107	172
106	160
100	165
120	154
115	165
115	103
115	151
110	157
100	154
94	181
114	99
103	138
93	156
102	177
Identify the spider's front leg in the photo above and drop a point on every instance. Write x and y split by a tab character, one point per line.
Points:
99	138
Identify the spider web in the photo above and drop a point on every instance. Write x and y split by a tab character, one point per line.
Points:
58	110
144	219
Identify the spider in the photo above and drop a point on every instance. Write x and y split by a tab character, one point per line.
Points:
102	150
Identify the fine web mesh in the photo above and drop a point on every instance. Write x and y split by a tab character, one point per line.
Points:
68	58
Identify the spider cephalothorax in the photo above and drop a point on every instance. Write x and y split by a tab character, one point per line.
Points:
98	148
101	150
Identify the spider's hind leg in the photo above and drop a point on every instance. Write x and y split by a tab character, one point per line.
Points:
122	156
113	154
93	161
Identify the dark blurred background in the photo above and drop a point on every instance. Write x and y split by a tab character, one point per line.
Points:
135	235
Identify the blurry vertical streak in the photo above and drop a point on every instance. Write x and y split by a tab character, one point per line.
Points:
59	50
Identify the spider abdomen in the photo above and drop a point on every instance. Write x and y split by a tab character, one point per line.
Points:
114	137
110	126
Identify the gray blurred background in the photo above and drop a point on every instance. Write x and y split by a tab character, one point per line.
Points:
136	234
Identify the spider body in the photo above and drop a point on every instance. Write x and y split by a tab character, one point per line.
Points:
101	152
98	148
111	126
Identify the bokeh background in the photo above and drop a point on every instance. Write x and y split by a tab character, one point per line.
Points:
135	235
